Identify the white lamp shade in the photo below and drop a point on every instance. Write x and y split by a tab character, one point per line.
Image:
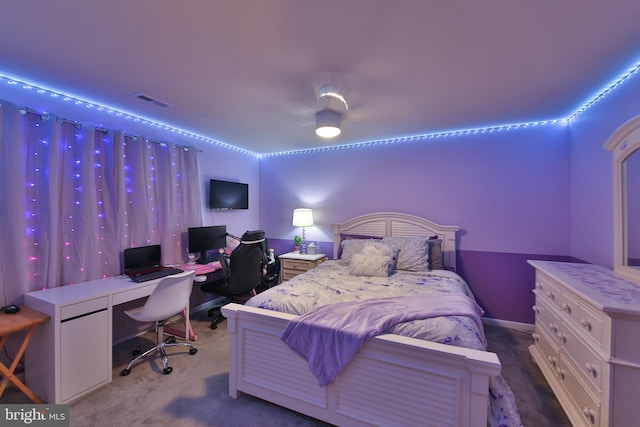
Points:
328	123
302	217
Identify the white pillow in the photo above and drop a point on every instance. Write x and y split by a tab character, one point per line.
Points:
414	252
351	247
371	265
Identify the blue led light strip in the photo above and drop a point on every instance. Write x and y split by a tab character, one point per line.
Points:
421	138
604	92
414	138
473	131
112	111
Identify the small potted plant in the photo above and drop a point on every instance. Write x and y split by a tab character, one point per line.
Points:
296	243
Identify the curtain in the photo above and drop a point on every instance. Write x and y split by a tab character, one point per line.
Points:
72	197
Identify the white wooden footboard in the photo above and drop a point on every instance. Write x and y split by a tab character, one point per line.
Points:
392	381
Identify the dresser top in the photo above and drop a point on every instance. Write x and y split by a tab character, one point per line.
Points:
598	284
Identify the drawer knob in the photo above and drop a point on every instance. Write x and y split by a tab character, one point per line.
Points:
552	360
591	369
560	372
553	327
550	295
535	309
562	338
535	336
585	324
591	416
565	308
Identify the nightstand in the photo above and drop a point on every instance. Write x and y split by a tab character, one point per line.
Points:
293	263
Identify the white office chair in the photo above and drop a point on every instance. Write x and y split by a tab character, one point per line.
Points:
169	298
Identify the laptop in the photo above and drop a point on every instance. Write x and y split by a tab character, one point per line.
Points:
145	263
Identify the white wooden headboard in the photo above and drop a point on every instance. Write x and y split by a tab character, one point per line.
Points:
393	224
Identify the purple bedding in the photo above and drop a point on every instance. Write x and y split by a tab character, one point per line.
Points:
330	283
329	336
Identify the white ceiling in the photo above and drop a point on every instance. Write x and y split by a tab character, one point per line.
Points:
247	72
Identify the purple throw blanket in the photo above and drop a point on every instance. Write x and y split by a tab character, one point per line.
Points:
329	336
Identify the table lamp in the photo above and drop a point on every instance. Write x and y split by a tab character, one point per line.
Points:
302	217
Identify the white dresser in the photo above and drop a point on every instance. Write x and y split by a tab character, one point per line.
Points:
587	342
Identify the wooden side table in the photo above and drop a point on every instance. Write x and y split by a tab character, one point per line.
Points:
25	320
293	263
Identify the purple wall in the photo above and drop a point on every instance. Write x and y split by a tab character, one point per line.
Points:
221	163
508	191
592	173
539	192
502	282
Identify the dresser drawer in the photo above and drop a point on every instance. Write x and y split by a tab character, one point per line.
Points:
547	320
569	306
586	405
592	323
546	346
587	364
548	291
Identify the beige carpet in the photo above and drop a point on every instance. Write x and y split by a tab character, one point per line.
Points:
196	393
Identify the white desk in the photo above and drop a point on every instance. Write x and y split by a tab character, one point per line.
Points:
71	354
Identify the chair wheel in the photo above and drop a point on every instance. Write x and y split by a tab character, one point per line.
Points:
213	326
167	370
193	350
136	351
170	340
125	372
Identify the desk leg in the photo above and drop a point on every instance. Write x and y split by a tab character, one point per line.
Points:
8	373
188	327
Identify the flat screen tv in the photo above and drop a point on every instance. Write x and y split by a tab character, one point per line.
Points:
228	195
203	239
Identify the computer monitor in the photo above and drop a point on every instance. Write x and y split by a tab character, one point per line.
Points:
203	239
228	195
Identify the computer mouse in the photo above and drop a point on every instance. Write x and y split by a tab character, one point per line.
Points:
11	309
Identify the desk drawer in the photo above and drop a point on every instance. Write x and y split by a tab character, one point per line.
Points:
141	291
83	308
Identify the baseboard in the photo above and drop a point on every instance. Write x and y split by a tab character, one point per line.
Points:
518	326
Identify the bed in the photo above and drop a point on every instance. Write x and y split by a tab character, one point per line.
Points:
414	374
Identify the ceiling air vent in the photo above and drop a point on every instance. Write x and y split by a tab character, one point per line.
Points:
146	98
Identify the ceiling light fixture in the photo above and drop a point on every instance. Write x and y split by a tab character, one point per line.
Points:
329	118
328	123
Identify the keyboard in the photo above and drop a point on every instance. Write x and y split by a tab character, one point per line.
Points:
145	277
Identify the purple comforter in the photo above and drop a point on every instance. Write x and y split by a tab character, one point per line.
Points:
329	336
